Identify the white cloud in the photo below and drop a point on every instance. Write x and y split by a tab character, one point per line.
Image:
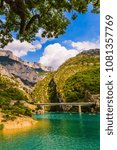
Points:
22	48
85	45
56	54
42	39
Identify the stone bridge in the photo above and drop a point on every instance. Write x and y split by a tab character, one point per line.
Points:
79	104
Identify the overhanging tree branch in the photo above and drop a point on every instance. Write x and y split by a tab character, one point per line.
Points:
18	7
31	21
1	4
47	14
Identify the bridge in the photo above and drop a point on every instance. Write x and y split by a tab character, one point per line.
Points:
79	104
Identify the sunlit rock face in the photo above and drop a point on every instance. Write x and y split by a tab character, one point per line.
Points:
27	72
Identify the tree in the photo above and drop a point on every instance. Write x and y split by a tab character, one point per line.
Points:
25	17
52	91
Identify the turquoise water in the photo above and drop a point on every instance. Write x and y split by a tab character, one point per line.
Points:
56	131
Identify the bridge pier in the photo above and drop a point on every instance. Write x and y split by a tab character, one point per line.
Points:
79	108
79	105
43	108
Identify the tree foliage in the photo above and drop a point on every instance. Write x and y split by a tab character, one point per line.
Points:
25	17
75	86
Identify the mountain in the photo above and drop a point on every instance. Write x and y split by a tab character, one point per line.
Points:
78	79
11	96
27	72
17	78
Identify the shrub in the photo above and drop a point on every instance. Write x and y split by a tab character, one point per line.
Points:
1	126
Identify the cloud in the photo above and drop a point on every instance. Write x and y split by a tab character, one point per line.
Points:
22	48
85	45
56	54
42	39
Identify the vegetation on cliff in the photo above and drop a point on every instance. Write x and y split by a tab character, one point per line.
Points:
1	126
10	98
76	76
9	89
76	85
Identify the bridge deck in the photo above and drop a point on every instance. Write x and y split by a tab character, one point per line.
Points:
71	104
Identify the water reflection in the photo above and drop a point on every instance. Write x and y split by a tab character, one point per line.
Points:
55	132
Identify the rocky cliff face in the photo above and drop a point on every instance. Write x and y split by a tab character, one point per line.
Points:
92	52
11	65
35	65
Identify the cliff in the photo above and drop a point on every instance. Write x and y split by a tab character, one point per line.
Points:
72	81
26	72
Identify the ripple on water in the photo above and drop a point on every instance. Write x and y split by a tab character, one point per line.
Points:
56	131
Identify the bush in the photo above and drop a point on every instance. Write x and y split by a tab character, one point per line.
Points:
9	90
17	109
1	126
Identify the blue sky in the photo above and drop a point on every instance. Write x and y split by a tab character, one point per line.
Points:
85	28
83	33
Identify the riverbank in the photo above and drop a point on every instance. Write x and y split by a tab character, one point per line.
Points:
18	123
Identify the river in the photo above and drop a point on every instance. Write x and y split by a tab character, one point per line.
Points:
56	131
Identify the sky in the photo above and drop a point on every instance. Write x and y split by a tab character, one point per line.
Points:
81	34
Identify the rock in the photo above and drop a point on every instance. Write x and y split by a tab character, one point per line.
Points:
26	72
91	52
